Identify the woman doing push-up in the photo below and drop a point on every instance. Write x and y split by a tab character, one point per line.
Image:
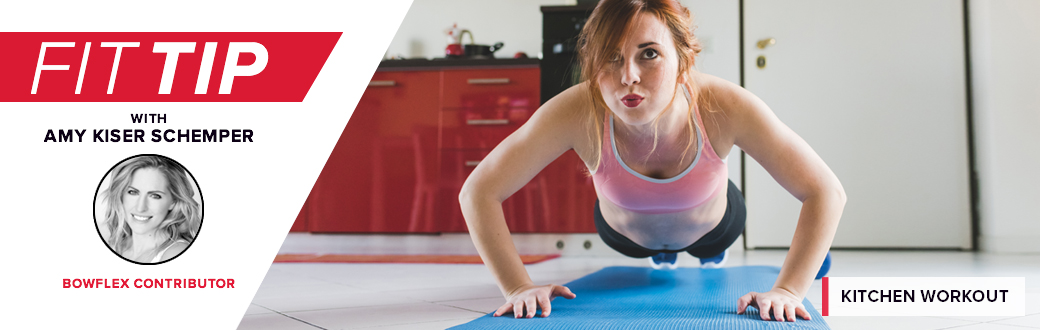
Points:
655	135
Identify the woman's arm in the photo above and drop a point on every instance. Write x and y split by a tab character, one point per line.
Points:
550	132
797	168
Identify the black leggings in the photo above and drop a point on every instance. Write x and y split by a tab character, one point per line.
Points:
712	244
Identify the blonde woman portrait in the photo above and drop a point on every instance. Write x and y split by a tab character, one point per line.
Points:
148	209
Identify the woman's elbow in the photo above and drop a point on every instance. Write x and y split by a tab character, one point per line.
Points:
841	196
470	193
467	194
832	195
839	192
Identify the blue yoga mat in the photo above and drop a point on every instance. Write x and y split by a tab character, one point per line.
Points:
643	298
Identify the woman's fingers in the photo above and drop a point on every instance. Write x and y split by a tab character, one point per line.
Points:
532	305
518	309
562	291
773	306
744	301
789	310
503	309
778	311
801	311
525	304
543	300
763	309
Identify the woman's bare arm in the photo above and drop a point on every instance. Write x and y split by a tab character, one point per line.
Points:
797	168
550	132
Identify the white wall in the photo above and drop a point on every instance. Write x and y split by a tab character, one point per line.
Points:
1005	45
516	23
717	25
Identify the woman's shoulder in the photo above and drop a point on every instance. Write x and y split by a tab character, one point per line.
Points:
175	249
573	103
717	95
721	94
566	114
571	116
723	105
731	107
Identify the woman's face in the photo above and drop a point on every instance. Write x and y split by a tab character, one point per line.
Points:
147	201
641	80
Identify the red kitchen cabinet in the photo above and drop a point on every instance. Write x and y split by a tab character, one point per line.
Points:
490	88
523	210
481	108
301	220
470	128
557	200
414	138
571	196
374	170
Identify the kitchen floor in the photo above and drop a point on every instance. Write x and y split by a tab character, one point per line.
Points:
437	296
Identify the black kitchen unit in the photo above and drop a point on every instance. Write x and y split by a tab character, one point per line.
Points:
560	28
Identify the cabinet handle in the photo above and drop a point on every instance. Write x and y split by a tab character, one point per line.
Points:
487	122
488	81
471	163
382	83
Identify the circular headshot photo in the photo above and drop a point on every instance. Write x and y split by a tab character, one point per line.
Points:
148	209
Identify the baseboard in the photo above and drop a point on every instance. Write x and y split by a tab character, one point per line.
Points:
568	245
1010	244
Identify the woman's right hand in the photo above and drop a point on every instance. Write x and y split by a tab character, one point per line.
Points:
529	297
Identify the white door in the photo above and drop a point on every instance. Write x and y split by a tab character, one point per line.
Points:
877	88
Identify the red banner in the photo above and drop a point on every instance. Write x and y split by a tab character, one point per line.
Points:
161	66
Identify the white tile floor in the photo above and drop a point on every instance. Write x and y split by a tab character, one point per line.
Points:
432	296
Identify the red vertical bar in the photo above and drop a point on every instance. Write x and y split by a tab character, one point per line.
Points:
825	295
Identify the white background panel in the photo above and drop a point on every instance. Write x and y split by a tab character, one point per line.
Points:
252	191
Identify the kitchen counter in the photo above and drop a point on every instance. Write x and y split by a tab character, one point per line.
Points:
450	64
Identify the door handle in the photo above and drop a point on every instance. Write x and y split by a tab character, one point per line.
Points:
762	44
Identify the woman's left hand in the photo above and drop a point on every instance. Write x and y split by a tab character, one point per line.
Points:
781	301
